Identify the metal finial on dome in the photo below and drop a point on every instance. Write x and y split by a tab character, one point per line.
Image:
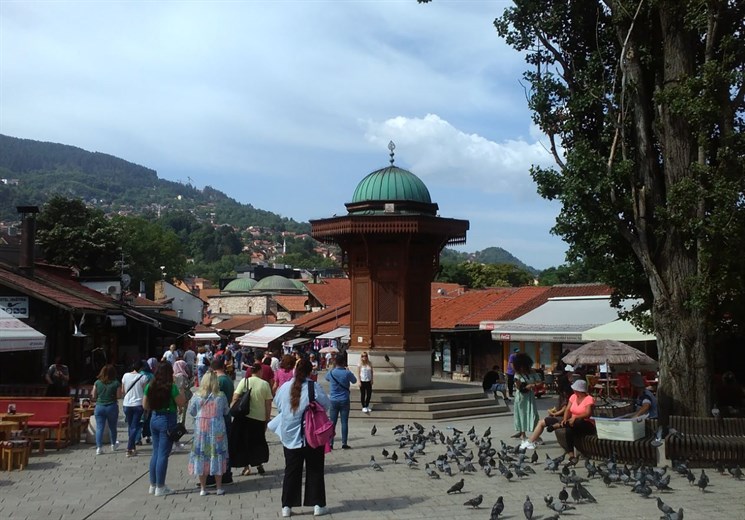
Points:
391	147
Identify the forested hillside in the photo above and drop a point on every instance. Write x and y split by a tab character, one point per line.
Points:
43	170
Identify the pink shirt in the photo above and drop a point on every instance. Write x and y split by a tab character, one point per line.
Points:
581	408
283	376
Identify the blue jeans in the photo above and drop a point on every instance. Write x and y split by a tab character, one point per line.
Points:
160	423
106	414
133	418
336	408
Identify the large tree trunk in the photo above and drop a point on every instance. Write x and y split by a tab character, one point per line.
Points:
673	266
685	368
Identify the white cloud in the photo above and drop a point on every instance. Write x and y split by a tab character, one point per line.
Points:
436	150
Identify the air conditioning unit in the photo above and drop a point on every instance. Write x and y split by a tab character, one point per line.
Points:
112	290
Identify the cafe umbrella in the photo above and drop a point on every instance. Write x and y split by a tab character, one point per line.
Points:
610	352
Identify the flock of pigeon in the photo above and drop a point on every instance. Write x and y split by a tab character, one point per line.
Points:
462	454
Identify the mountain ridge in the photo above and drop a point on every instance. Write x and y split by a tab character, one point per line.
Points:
34	171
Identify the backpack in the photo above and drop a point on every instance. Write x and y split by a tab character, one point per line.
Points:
318	429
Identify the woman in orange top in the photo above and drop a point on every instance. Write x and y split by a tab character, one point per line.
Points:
576	419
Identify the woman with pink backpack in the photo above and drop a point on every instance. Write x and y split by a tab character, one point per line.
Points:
291	401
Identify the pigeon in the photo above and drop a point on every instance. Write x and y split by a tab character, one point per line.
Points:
534	457
431	473
487	432
735	471
385	453
374	430
394	456
457	487
586	495
563	495
703	481
666	509
528	508
559	508
497	508
675	516
474	502
374	465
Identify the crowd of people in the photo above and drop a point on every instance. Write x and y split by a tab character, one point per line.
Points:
160	394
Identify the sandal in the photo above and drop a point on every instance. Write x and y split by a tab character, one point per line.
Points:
246	471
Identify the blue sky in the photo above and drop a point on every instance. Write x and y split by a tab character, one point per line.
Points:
287	105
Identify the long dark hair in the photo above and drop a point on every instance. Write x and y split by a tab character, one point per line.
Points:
159	393
303	368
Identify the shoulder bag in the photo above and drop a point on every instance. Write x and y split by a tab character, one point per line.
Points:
242	406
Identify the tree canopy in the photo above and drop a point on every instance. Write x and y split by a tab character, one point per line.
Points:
642	105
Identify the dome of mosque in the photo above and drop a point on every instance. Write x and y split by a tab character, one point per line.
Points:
240	285
275	283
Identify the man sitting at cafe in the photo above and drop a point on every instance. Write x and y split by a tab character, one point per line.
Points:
494	381
645	402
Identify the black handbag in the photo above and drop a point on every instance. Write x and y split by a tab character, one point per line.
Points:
242	406
177	432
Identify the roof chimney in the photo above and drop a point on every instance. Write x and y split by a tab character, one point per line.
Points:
28	238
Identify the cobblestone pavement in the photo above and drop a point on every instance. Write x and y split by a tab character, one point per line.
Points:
76	484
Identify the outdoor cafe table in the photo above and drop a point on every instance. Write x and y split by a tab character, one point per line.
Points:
19	418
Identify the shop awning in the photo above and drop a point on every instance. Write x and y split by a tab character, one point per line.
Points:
16	336
337	333
557	320
619	330
297	341
205	336
261	338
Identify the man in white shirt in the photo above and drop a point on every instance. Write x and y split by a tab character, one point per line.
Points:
275	362
170	355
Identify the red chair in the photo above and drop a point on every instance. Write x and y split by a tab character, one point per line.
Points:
623	386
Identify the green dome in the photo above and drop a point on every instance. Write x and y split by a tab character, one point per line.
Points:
240	285
391	184
275	283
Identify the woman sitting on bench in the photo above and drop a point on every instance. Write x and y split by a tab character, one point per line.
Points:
576	419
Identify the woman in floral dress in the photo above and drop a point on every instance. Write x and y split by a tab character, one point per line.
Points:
209	453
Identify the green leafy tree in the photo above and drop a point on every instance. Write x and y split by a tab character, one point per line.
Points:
642	103
148	246
454	273
72	234
573	272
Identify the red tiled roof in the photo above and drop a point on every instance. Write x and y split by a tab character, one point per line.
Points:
63	292
448	313
244	322
325	320
467	309
292	303
330	292
514	303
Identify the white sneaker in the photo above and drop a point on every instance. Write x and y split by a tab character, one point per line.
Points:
203	493
286	512
529	445
114	446
163	491
364	410
523	444
99	451
319	511
151	490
